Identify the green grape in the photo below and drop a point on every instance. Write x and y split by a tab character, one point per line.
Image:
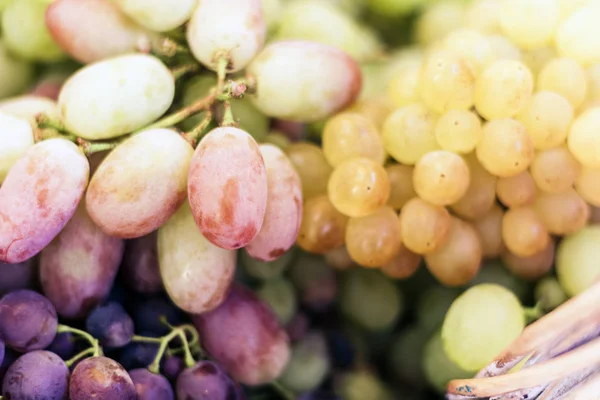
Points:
529	24
405	355
308	365
495	272
15	74
480	324
432	305
549	294
193	90
438	367
361	385
280	295
394	8
314	280
577	257
266	270
249	118
438	20
278	139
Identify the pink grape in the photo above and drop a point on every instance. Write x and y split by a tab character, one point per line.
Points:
38	197
227	187
284	207
140	265
78	268
244	336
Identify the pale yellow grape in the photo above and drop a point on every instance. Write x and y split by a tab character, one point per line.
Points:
593	84
547	118
350	135
16	136
29	106
532	267
458	131
272	10
375	109
401	185
441	177
524	232
578	36
447	82
565	77
483	16
535	59
555	170
158	15
481	194
480	324
577	265
358	187
471	46
403	89
568	7
489	228
278	139
322	228
401	58
505	148
15	74
424	227
517	190
562	213
311	165
584	140
404	265
438	20
504	49
529	23
409	133
588	185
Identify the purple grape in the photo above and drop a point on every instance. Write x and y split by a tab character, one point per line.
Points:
148	314
17	276
1	351
151	386
39	375
298	326
140	265
315	281
110	324
101	378
28	321
205	381
9	357
172	367
319	395
63	345
138	355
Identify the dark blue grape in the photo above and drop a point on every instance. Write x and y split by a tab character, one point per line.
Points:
28	320
206	381
17	276
148	312
63	345
101	378
341	349
118	294
39	375
110	324
138	355
172	367
149	386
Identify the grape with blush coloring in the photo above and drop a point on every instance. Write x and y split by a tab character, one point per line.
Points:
205	380
101	378
110	324
150	386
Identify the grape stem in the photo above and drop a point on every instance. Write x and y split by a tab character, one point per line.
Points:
285	393
95	350
77	357
170	48
533	313
194	136
184	69
227	115
222	62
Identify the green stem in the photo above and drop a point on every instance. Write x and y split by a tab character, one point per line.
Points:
90	148
186	112
187	354
194	136
170	48
285	393
146	339
95	349
227	115
221	71
74	359
533	313
182	70
164	341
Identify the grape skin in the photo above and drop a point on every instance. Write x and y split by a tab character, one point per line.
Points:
158	16
401	185
523	231
441	177
311	165
18	276
149	386
205	380
323	227
532	267
110	324
36	375
16	135
480	196
140	265
101	378
576	260
315	281
309	364
518	190
28	106
424	227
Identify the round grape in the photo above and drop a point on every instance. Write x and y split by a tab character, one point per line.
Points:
205	380
562	213
555	170
309	364
481	193
529	23
583	140
404	265
111	325
323	227
518	190
158	16
489	228
578	36
531	267
311	165
38	374
101	378
565	77
424	227
140	265
441	177
588	185
458	131
577	256
549	294
401	185
17	136
150	386
280	295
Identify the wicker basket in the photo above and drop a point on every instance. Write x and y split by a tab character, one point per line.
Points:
562	352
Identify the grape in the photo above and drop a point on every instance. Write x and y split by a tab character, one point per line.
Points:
439	370
235	28
25	34
27	320
137	355
549	294
432	306
447	82
63	345
140	265
495	272
374	240
350	135
531	267
280	295
195	272
518	190
536	59
16	74
113	33
370	300
576	260
37	375
38	196
503	89
358	187
424	227
196	88
17	276
587	185
441	177
309	364
505	148
2	352
272	10
149	386
577	36
310	94
568	7
480	324
438	20
524	232
227	187
9	358
315	281
565	77
529	23
484	16
361	384
404	355
583	141
472	47
244	336
149	312
458	131
489	228
593	86
283	214
101	378
393	9
339	259
311	165
266	270
458	259
110	324
298	327
547	118
480	196
173	367
78	268
157	15
401	185
16	135
205	380
140	184
28	106
403	87
409	133
146	89
555	170
562	213
403	265
278	139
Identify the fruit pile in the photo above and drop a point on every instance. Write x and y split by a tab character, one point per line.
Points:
289	199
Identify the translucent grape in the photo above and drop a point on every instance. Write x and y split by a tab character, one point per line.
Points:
280	295
565	77
555	170
480	324
588	185
524	232
16	135
536	59
361	384
424	227
583	141
29	106
315	281
578	36
351	135
505	148
489	228
457	260
483	16
529	23
481	193
409	133
503	89
403	89
150	386
518	190
472	47
158	15
404	265
278	139
531	267
438	20
205	379
374	240
323	227
549	294
309	364
146	95
562	213
37	375
16	73
458	131
358	187
401	185
441	177
100	378
312	167
438	368
140	265
577	265
547	118
266	270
